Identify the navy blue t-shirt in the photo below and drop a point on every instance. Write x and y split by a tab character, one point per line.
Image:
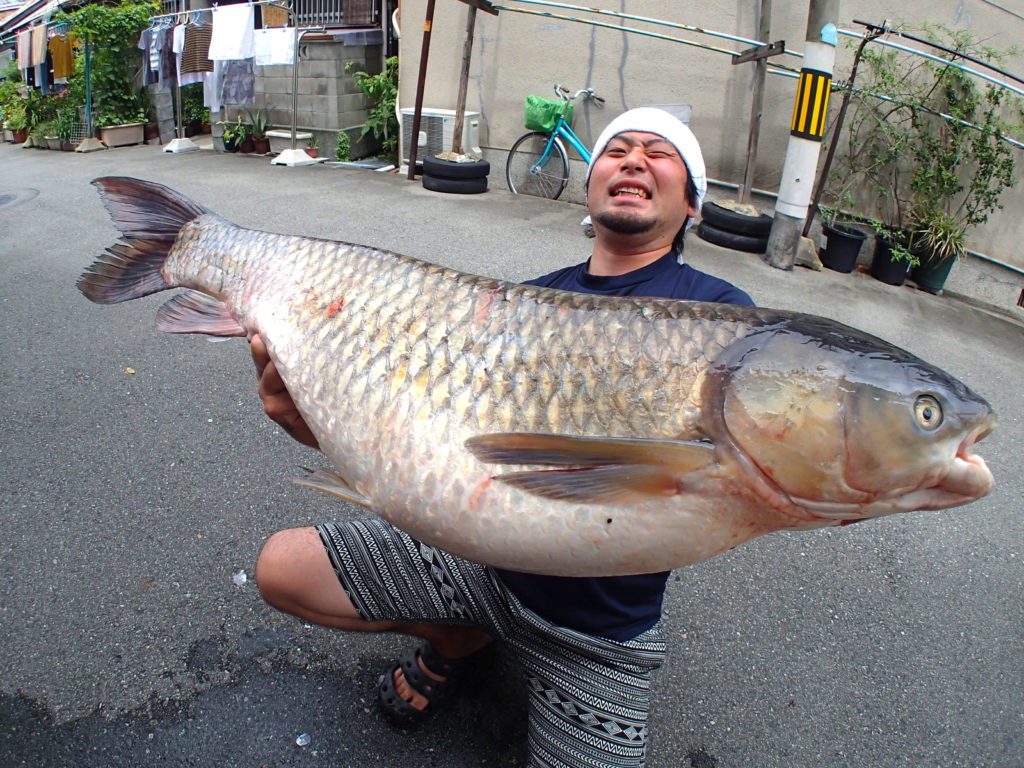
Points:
616	607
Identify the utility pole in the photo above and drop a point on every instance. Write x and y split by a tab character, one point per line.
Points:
805	134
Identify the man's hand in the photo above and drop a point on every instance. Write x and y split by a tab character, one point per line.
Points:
277	400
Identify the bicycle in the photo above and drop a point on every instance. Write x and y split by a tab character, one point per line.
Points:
538	163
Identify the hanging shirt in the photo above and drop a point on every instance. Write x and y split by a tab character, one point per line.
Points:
195	56
232	36
62	57
39	46
274	46
238	82
179	48
25	49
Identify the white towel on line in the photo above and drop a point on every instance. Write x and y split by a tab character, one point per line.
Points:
275	46
232	36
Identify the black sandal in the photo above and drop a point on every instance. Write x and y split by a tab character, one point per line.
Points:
438	693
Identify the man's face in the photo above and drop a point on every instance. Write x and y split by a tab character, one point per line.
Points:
638	186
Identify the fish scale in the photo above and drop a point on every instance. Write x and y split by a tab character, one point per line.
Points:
544	431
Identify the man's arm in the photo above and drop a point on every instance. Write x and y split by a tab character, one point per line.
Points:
277	400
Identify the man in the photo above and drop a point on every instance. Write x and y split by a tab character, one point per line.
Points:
587	645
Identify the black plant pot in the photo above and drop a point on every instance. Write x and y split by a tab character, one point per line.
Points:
842	247
884	267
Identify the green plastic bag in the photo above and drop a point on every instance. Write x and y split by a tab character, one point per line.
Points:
542	114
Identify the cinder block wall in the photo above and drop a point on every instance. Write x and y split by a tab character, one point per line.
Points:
327	99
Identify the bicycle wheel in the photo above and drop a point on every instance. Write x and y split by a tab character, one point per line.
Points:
526	177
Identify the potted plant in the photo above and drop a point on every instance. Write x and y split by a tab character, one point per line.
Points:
940	242
843	241
233	134
925	157
343	147
313	146
17	121
258	132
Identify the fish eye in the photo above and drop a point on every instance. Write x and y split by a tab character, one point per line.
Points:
928	412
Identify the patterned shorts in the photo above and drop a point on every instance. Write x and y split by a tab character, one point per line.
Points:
589	696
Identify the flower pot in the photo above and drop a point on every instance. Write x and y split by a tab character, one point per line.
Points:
246	145
931	274
884	267
122	135
313	151
20	137
261	146
230	146
53	142
842	247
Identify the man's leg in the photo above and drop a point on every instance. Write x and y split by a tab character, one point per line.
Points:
295	575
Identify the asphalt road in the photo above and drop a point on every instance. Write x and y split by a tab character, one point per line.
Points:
139	479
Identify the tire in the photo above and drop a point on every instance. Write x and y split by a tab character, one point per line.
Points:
731	240
455	186
728	220
524	179
449	169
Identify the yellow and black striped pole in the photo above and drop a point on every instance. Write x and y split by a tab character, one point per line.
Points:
810	107
811	104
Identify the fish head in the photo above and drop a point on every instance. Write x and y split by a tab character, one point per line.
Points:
841	425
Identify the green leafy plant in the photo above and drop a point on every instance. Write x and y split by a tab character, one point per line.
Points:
924	157
192	109
381	91
257	124
234	133
313	142
112	31
343	147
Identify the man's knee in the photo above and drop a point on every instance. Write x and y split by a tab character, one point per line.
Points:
283	562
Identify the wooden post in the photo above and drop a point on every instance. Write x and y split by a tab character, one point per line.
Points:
460	105
757	106
418	111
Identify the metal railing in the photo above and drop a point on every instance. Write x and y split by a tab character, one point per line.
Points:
309	13
336	13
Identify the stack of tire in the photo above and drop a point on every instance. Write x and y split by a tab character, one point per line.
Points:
734	225
468	178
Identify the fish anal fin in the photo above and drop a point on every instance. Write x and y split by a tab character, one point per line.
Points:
330	482
197	312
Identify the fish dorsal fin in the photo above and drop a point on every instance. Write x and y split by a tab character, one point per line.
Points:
328	481
594	470
197	312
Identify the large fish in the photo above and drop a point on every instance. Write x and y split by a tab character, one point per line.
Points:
552	432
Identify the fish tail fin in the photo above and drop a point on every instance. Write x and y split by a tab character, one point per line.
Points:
149	216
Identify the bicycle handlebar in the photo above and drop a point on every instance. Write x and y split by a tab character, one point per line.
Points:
588	93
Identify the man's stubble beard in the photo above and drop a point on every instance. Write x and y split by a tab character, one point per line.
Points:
624	222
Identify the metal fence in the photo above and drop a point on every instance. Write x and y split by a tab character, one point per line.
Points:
309	13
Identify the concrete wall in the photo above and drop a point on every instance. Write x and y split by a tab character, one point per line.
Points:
328	99
516	54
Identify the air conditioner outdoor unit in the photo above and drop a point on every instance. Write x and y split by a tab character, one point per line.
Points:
436	129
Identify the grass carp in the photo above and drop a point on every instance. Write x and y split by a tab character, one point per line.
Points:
551	432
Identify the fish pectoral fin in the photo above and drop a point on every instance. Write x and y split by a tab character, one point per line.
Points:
594	470
608	484
574	451
328	481
197	312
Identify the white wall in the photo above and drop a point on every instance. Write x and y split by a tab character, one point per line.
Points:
515	55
